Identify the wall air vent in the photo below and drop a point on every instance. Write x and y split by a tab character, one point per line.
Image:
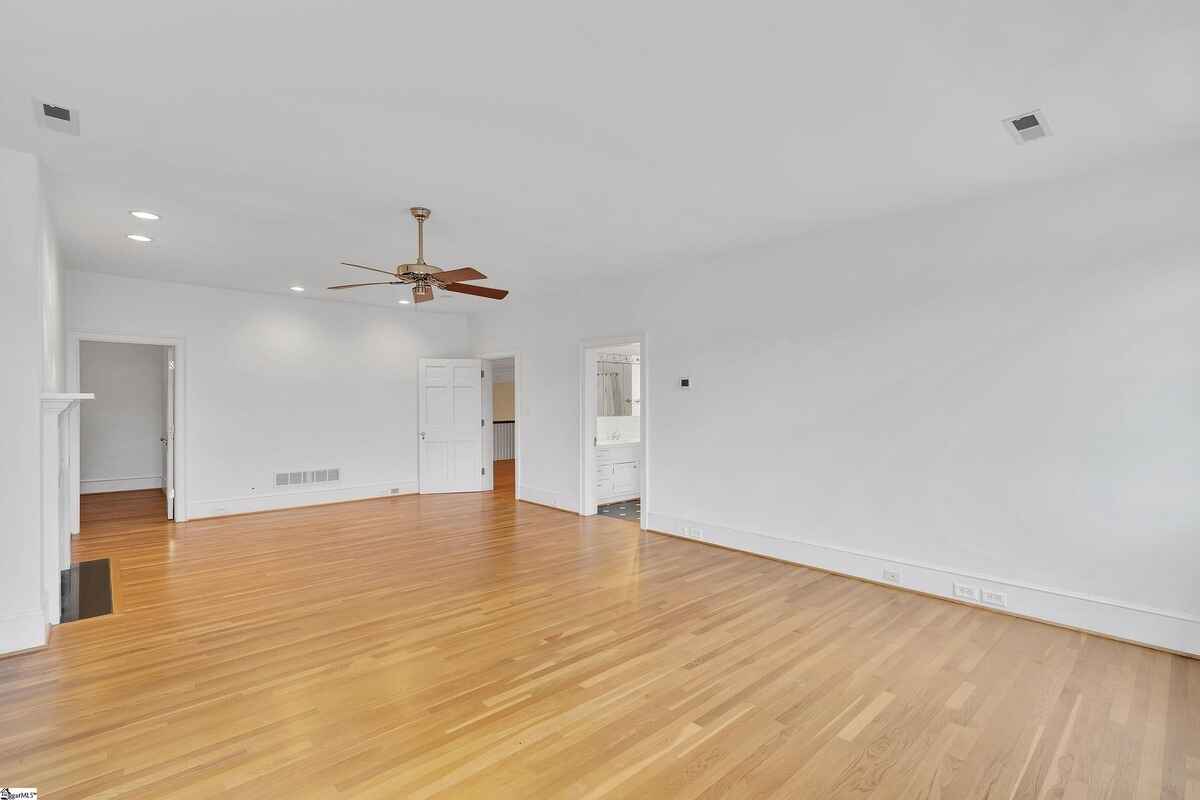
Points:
1027	127
56	118
305	477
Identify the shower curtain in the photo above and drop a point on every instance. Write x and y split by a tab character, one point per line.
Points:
611	397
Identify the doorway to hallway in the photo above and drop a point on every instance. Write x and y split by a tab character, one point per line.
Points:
503	407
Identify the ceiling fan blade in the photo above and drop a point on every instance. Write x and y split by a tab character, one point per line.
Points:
460	274
478	291
422	294
373	269
352	285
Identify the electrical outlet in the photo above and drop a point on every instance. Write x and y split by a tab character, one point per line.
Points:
998	599
891	574
964	592
693	531
221	509
394	491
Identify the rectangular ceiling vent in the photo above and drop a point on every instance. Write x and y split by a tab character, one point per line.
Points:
1027	127
305	477
56	118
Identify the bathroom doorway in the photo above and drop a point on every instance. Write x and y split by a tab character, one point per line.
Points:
613	430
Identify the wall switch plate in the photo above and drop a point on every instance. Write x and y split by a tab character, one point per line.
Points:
891	574
685	383
964	592
998	599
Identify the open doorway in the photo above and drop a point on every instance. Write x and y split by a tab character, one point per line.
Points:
613	430
126	435
173	459
503	417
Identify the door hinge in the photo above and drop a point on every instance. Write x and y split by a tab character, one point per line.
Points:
481	423
481	373
483	470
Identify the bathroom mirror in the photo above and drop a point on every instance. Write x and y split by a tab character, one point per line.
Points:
618	385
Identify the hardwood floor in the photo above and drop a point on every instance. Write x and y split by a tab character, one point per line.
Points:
472	646
506	477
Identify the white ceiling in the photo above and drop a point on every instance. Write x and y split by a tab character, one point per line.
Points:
554	140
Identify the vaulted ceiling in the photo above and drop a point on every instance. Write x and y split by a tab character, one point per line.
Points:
556	140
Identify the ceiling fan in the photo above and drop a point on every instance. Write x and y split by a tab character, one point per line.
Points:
424	277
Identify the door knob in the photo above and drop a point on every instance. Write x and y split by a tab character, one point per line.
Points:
163	440
422	434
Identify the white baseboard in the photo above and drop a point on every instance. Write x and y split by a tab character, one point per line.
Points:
22	631
297	498
98	485
546	497
1170	630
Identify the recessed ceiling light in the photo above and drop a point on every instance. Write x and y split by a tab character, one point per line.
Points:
137	237
150	215
296	288
404	302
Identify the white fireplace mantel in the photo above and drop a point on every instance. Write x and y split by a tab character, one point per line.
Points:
65	398
56	496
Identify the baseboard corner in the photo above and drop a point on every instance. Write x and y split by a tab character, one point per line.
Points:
23	631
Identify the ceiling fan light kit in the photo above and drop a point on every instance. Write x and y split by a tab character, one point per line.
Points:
425	277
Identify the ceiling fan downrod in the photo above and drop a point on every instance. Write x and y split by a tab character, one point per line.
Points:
420	215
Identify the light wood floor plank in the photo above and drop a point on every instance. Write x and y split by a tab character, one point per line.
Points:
471	646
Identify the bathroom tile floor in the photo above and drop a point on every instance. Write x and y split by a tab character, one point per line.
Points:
626	509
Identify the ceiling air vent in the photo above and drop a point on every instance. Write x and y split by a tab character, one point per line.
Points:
1027	127
56	118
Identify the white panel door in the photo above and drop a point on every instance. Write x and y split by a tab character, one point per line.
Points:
451	419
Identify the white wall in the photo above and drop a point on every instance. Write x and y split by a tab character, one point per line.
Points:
1005	392
120	430
54	346
31	342
280	383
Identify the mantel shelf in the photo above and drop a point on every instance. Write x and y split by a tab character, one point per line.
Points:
66	397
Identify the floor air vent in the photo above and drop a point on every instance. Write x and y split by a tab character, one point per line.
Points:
327	475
